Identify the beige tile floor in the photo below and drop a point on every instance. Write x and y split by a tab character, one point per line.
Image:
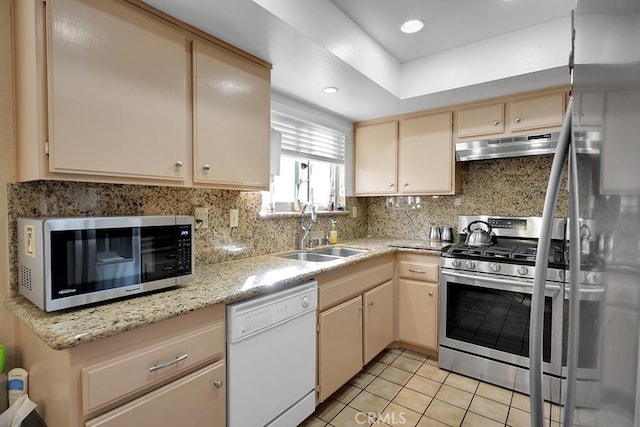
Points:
403	388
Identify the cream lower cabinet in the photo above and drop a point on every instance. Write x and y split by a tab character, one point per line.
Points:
418	277
355	320
165	374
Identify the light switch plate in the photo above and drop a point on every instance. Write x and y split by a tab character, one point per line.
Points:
201	215
354	211
233	218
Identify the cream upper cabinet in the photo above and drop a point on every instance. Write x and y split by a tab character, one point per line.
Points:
118	91
426	163
484	120
108	91
376	158
511	116
379	315
537	113
231	119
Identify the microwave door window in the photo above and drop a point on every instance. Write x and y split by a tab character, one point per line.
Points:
160	246
114	257
67	262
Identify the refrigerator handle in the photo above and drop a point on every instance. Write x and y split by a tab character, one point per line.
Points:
574	283
542	258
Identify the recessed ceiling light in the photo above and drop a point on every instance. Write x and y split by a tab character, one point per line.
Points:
412	26
330	89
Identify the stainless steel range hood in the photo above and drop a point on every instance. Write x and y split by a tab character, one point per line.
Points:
516	146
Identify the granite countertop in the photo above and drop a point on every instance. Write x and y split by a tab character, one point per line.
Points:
218	283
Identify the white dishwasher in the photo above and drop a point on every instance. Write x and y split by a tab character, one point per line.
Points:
271	358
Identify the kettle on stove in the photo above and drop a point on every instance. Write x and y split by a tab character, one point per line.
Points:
477	236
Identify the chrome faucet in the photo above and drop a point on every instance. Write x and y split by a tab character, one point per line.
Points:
307	229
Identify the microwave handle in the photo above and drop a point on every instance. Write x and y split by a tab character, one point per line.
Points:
542	257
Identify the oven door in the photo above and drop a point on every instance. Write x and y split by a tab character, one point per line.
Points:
488	316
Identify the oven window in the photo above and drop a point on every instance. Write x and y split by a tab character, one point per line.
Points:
495	319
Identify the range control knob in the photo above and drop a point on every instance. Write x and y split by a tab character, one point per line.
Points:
456	263
305	302
471	265
522	270
495	267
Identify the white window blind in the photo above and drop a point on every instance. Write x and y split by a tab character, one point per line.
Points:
307	140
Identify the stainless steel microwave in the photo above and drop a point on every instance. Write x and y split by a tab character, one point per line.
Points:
68	262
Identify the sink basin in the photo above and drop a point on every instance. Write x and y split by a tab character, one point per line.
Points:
340	251
309	256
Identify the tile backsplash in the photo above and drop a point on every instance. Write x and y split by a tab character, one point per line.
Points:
513	187
494	187
254	235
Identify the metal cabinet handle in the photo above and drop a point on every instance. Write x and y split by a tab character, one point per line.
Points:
517	119
406	184
390	185
178	163
417	271
206	167
218	383
360	308
371	303
430	294
496	122
167	364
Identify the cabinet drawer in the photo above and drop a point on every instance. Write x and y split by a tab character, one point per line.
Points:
195	400
105	382
418	271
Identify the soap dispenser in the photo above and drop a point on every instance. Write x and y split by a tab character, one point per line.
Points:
333	233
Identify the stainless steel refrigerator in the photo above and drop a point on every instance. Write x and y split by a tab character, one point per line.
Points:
600	141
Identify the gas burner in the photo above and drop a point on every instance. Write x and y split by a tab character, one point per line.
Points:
525	253
499	251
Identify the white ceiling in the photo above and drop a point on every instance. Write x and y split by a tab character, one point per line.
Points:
469	49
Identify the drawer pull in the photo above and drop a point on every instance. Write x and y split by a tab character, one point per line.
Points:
430	294
167	364
218	383
417	271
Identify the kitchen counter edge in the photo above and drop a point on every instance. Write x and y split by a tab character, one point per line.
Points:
218	283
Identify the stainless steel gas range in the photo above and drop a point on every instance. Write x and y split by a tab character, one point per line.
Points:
485	301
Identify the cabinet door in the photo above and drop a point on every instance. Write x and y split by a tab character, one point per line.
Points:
536	113
378	320
485	120
426	159
339	345
118	101
418	313
193	401
375	152
231	119
588	108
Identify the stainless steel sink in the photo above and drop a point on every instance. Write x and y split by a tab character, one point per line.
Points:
309	256
340	251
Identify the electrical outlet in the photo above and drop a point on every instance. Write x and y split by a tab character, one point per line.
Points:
201	215
233	218
354	211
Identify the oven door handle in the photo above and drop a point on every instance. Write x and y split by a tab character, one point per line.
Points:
527	287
